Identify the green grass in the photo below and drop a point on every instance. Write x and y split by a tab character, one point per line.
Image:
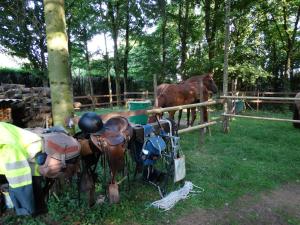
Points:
255	156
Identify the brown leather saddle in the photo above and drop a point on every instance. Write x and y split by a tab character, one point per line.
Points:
112	140
116	131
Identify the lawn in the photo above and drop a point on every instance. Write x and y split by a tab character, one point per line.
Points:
254	156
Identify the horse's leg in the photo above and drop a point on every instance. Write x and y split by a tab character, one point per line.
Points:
179	117
205	115
193	112
296	116
171	114
188	117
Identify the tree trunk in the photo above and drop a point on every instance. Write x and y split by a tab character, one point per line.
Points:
108	74
287	71
114	14
183	26
70	50
155	89
126	46
58	60
163	38
211	19
226	51
88	69
43	58
290	43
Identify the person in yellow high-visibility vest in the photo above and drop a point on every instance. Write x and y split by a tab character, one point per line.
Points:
18	148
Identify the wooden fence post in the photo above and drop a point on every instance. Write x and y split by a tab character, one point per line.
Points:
225	72
201	138
155	89
257	103
125	98
147	95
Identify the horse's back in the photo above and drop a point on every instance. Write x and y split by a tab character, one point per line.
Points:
176	94
161	88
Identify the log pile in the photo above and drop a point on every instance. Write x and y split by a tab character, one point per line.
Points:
33	108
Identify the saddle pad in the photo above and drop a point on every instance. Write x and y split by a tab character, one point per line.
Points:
61	146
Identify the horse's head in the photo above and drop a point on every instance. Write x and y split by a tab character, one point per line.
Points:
209	83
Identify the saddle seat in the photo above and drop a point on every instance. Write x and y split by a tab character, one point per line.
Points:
115	131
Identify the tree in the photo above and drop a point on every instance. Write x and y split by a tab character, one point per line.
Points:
58	59
226	50
164	18
82	26
286	16
22	32
114	15
212	17
126	54
183	24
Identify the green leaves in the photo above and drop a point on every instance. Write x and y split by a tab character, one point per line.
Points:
248	73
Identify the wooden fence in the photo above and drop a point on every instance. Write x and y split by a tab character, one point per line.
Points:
110	100
259	100
268	99
202	125
105	117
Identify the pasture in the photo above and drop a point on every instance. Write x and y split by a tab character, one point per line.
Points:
256	156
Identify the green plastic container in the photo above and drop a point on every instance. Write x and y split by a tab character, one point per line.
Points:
138	105
239	106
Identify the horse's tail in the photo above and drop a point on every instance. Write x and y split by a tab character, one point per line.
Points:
296	116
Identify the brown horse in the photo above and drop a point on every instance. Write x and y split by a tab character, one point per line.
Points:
208	86
186	92
296	115
160	89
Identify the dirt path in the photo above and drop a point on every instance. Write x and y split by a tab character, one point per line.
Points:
280	206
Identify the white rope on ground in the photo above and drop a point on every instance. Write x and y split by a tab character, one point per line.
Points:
171	199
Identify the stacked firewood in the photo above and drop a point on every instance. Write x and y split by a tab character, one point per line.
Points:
34	107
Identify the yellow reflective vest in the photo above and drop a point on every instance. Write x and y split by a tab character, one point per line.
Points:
17	150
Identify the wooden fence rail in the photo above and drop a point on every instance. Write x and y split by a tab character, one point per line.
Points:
265	93
260	98
257	99
261	118
188	129
173	108
95	99
263	99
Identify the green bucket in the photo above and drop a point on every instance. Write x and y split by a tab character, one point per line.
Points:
139	105
239	106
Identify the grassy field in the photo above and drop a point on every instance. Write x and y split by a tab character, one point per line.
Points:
254	156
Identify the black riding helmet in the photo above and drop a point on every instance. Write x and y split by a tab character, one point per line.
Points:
90	122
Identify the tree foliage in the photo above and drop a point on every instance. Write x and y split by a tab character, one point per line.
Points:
22	31
168	39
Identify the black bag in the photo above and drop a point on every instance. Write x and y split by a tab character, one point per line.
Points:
2	203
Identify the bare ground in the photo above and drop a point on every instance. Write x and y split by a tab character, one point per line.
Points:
280	206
